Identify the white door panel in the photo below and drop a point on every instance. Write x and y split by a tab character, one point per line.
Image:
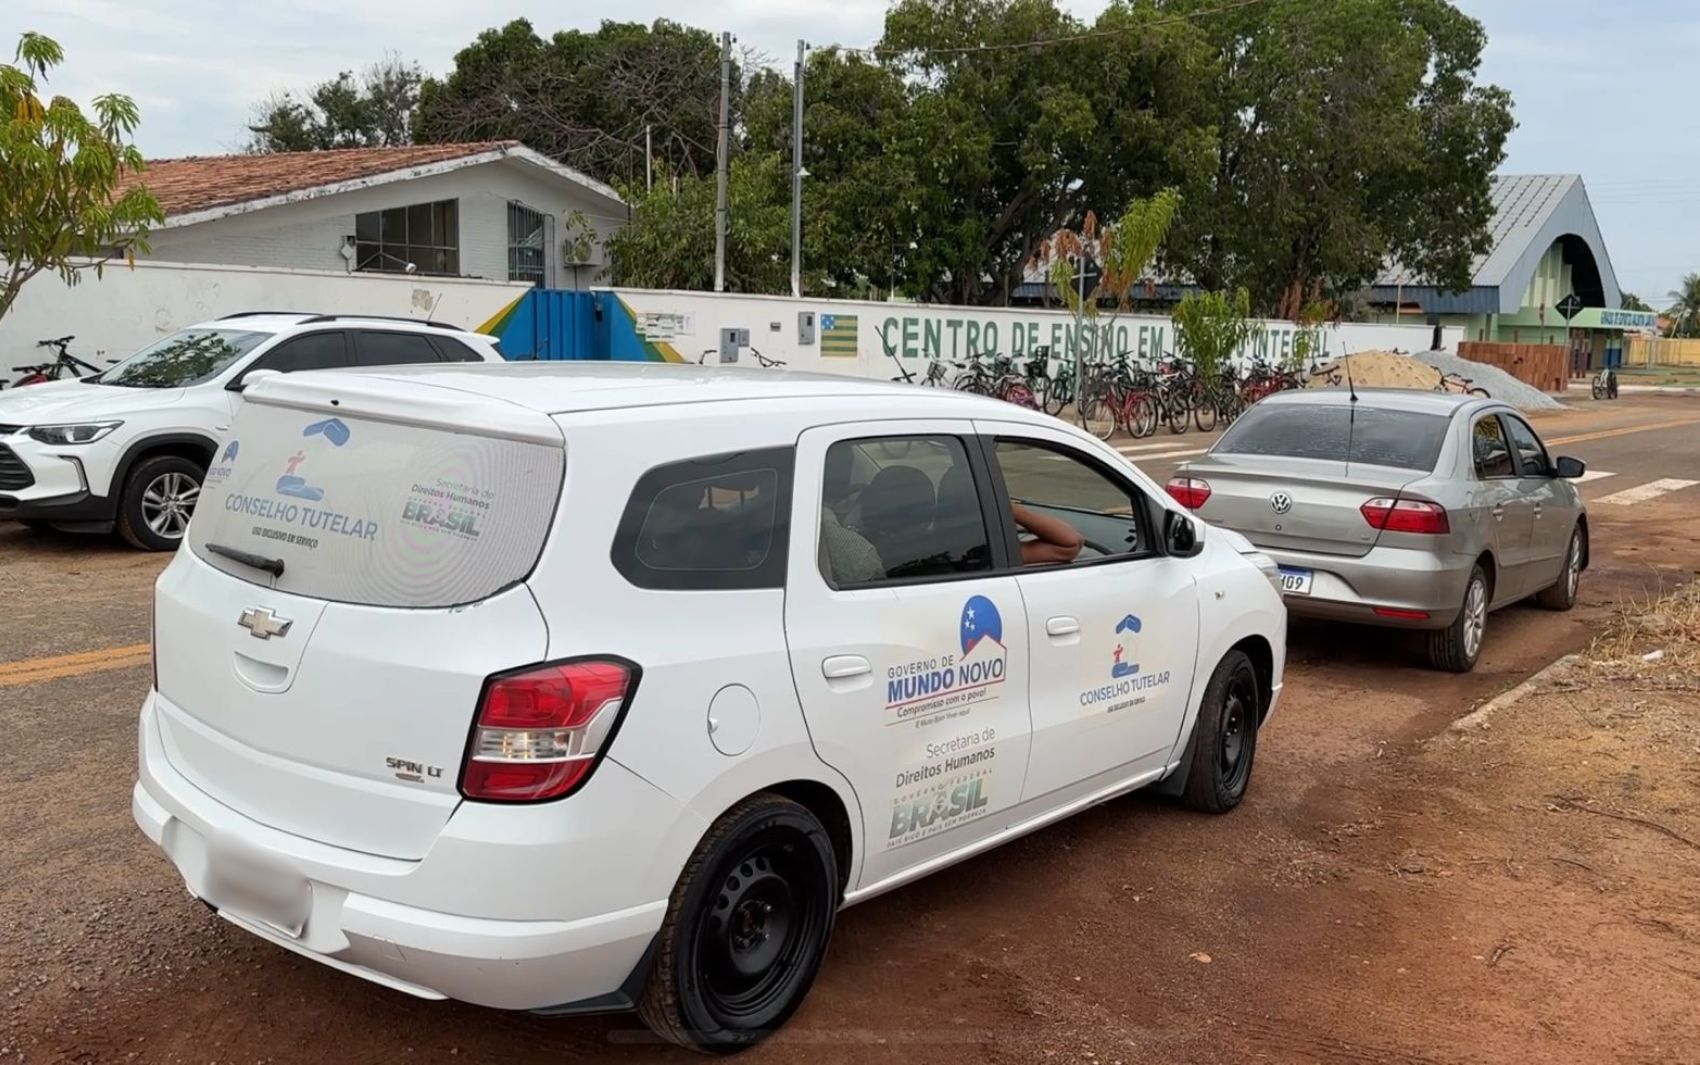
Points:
916	692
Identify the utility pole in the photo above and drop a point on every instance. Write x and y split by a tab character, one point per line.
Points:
797	175
648	159
722	161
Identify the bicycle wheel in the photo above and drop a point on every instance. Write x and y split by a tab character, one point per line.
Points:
1480	391
1204	413
1143	415
1175	413
1020	394
1098	413
1599	389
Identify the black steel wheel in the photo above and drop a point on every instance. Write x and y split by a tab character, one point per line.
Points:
1224	743
746	929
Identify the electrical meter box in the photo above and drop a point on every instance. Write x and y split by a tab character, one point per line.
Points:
805	327
731	342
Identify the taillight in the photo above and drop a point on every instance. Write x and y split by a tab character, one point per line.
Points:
540	731
1189	492
1406	516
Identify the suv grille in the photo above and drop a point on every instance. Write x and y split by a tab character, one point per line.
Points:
13	473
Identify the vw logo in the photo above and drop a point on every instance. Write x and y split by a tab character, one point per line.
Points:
1281	502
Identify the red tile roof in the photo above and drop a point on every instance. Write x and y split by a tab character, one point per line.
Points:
199	182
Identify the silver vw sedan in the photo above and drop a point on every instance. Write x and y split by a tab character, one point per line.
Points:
1406	509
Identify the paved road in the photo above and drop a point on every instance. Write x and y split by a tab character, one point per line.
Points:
1082	940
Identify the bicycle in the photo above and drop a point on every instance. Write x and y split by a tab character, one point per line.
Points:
63	363
1458	384
1604	385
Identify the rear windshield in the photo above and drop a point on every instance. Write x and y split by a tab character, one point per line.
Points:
1370	435
371	512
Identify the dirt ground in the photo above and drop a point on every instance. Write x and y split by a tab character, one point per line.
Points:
1392	891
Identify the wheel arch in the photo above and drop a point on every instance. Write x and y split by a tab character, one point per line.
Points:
824	802
195	447
1490	569
1587	538
1256	647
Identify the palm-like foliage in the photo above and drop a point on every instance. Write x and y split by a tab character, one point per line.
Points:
1685	308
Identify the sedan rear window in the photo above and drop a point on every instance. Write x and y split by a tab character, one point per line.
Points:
1371	435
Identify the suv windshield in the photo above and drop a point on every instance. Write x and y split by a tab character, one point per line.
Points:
1372	435
184	358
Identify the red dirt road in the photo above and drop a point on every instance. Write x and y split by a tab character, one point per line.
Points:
1378	898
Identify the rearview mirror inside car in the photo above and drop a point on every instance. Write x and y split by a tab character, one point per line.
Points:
1569	468
1183	536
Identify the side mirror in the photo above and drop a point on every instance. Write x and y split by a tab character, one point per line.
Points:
1183	536
1569	468
241	383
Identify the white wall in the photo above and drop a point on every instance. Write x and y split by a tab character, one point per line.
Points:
128	309
688	323
309	234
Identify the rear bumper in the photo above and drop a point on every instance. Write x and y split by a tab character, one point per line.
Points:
1387	578
506	963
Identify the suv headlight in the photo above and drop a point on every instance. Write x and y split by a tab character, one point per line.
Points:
82	433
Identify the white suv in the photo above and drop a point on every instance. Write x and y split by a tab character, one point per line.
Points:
128	448
582	688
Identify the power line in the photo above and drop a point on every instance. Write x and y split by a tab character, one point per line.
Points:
875	51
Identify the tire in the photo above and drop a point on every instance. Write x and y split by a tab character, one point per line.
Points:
1482	392
1561	594
1098	415
1225	738
1599	389
146	519
1144	415
1456	648
1205	413
1176	415
765	852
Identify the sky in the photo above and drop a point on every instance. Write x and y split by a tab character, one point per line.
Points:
1600	89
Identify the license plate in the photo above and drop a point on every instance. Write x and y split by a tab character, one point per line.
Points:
252	886
1295	581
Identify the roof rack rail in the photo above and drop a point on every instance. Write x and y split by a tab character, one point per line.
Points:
381	318
261	314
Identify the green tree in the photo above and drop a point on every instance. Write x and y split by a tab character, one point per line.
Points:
1212	326
1122	250
670	241
1350	133
585	98
373	109
1008	141
1684	312
69	196
1631	302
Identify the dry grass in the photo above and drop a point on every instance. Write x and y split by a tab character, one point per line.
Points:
1668	622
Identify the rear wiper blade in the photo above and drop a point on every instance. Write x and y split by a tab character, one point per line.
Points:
273	566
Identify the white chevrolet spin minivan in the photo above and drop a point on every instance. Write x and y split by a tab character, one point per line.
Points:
598	687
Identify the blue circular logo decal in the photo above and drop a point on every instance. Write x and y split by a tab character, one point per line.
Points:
980	619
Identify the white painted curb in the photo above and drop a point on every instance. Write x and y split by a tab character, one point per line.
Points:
1478	718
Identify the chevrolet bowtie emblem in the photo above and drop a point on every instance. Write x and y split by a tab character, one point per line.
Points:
263	624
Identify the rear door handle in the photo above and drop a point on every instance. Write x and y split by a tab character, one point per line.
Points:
1062	626
838	667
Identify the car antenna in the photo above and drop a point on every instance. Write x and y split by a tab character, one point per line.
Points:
1352	409
434	305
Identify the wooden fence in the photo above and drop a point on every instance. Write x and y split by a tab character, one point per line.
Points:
1546	366
1661	351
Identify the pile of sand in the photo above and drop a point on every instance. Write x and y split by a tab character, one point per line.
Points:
1387	369
1376	369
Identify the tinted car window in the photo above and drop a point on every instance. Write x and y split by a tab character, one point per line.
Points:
1372	435
185	358
1065	486
1487	444
714	523
454	350
392	349
1528	447
899	508
312	351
